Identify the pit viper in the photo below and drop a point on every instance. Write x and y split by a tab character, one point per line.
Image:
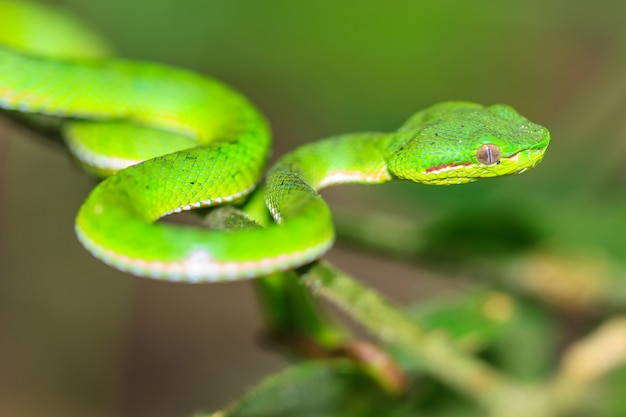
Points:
169	140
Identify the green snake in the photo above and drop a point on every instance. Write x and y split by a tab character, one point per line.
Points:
170	140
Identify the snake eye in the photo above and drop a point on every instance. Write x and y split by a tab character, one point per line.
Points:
489	154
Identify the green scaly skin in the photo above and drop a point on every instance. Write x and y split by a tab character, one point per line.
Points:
204	144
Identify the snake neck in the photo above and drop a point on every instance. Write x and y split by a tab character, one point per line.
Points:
296	178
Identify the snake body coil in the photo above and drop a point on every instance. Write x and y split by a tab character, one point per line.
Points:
177	141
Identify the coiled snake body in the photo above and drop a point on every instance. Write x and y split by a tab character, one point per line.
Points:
177	140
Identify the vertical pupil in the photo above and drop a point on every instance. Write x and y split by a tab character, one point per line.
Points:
488	154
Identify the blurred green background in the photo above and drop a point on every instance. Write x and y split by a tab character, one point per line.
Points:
77	338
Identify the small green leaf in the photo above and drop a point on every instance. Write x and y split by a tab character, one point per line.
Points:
474	320
316	388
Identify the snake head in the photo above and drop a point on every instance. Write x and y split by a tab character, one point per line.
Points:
458	142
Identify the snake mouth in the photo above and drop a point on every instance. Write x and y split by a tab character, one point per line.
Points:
459	173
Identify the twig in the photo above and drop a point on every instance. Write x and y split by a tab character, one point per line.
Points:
436	352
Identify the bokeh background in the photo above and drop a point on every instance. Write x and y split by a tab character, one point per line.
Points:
77	338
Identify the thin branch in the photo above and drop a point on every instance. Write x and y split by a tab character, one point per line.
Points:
437	353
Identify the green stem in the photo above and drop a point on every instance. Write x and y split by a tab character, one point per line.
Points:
290	310
437	353
289	307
